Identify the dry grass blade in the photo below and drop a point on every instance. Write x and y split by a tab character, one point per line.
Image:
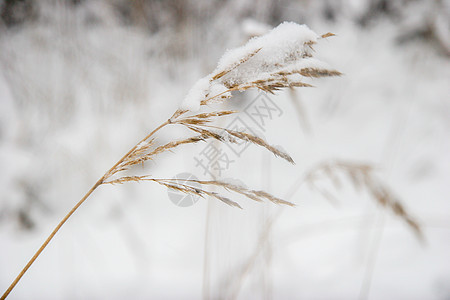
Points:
223	199
140	149
252	194
126	179
169	146
134	160
271	198
179	187
312	72
203	118
210	133
209	115
214	114
182	185
271	85
259	141
193	121
228	137
187	189
220	74
326	35
179	112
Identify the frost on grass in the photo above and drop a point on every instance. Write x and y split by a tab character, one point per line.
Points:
280	58
281	46
198	92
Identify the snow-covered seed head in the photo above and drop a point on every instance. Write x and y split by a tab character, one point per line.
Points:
281	58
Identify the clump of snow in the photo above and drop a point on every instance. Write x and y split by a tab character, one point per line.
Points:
219	89
196	94
203	89
283	46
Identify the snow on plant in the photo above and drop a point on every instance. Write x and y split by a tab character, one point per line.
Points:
282	58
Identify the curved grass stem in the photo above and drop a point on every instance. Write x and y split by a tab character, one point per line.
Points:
72	211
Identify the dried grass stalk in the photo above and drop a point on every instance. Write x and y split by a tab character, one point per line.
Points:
250	70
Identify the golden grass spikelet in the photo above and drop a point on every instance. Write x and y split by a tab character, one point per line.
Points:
258	196
311	72
239	135
252	194
209	133
193	121
181	188
140	149
326	35
223	199
213	114
125	179
271	198
166	147
203	118
259	141
174	144
232	187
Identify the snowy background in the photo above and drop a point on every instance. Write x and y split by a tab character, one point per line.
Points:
82	81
